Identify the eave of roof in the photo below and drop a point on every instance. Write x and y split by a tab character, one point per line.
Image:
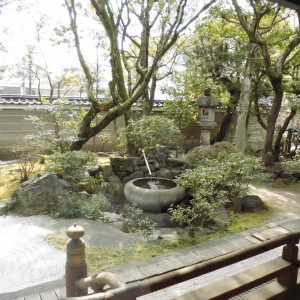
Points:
293	4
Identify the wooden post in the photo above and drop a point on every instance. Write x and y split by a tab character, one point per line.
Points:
290	253
76	267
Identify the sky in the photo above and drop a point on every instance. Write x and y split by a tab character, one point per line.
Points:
20	32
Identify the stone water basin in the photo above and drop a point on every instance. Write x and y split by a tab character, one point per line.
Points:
153	194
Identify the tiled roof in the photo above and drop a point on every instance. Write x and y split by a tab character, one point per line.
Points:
33	100
30	100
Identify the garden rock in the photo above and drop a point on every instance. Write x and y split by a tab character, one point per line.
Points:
252	203
287	176
296	175
93	170
175	162
115	190
105	170
221	218
278	170
175	173
83	195
161	219
161	152
121	164
164	173
34	196
86	186
134	175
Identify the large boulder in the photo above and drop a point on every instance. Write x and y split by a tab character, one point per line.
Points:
252	203
34	196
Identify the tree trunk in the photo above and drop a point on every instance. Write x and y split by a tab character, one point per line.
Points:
268	155
231	108
281	132
240	133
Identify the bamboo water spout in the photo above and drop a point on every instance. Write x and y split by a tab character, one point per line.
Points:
147	164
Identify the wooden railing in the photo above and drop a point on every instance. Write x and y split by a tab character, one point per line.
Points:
284	269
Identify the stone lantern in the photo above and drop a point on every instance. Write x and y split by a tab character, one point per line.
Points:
206	120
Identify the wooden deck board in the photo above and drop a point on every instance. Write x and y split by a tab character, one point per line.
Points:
231	286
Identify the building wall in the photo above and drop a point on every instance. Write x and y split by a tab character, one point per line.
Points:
14	127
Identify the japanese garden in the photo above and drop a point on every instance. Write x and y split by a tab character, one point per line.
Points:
174	124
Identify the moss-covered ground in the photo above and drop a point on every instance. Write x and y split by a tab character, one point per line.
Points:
99	259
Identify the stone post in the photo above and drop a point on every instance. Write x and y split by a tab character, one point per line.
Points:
76	266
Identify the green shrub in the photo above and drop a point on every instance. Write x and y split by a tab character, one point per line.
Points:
149	131
182	110
27	155
71	165
136	221
197	155
213	184
69	205
95	209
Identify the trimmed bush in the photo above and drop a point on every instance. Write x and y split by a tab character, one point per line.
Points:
198	155
149	131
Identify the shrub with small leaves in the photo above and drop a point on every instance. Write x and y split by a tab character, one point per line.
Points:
197	155
213	184
69	205
71	165
148	131
136	221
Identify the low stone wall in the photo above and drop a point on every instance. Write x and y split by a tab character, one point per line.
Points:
117	171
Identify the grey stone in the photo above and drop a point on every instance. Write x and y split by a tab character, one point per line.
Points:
93	170
115	190
35	195
175	162
175	173
103	154
277	170
156	164
144	169
134	175
252	203
136	168
161	152
121	174
121	164
287	176
113	217
221	218
164	173
162	219
106	170
152	167
83	195
136	161
296	175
